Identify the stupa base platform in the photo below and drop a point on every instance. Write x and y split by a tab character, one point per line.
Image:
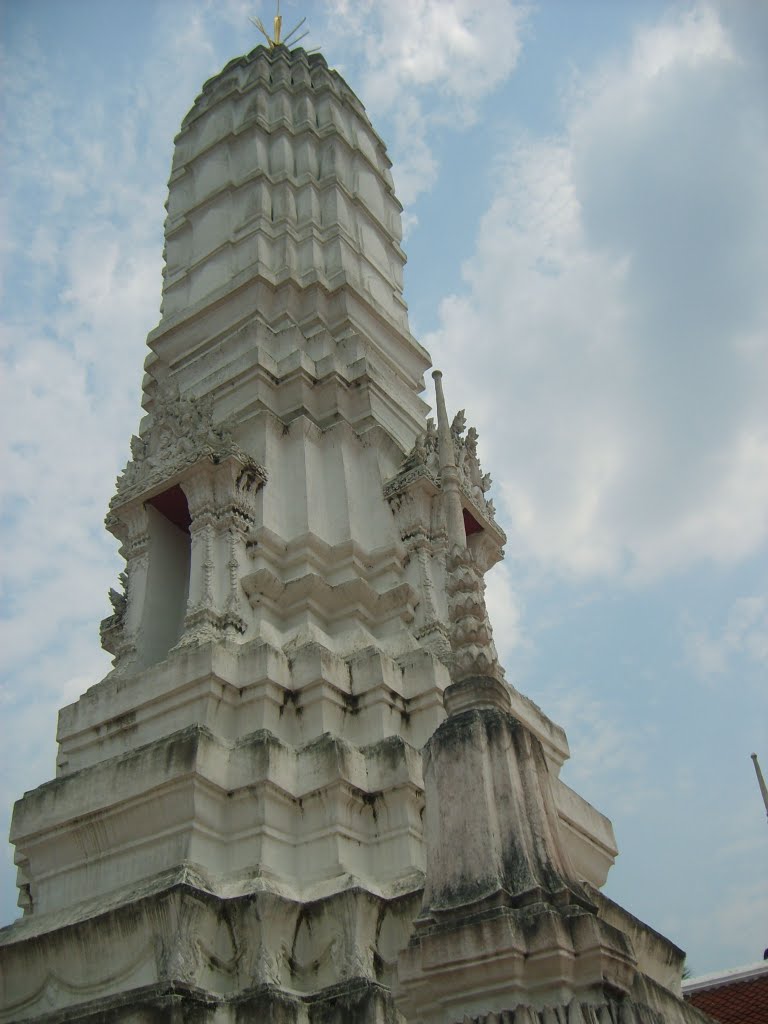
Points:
175	951
355	1002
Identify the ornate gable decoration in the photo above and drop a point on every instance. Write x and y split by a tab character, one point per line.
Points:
474	483
423	461
181	433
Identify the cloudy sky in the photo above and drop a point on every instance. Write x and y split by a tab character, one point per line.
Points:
586	193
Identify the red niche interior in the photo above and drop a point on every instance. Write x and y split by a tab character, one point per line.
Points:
173	505
471	525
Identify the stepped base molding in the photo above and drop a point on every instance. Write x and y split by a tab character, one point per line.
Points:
232	755
648	1005
180	953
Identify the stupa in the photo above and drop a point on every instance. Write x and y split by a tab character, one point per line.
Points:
306	793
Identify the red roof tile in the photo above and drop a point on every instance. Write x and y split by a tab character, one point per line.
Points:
735	1002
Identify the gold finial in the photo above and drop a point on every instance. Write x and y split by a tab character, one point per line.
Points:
274	39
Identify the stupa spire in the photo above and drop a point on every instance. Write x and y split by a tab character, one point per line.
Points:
306	735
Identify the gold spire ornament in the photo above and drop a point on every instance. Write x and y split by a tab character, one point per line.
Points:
274	40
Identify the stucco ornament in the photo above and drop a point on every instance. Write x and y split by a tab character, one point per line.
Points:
112	628
474	652
181	432
423	460
466	558
473	482
438	493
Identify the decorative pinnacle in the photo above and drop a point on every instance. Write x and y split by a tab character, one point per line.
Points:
449	477
274	40
445	443
474	653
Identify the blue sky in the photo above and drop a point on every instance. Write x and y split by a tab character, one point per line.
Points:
586	197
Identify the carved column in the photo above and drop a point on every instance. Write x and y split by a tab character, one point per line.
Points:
411	497
201	619
236	487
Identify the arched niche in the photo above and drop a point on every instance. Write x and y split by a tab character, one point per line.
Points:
167	590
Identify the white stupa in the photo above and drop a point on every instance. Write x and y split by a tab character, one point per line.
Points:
237	828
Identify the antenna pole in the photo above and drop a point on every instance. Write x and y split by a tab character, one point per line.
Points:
761	782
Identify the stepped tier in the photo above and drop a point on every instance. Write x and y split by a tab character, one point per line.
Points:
278	171
302	772
281	212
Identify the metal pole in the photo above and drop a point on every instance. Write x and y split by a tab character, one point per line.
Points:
761	782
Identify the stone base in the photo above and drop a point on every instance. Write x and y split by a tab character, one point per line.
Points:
181	953
539	964
663	1010
494	956
355	1002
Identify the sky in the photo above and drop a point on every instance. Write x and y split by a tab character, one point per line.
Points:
585	186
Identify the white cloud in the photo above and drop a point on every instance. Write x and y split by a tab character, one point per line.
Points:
597	737
743	636
686	37
617	318
443	44
426	62
503	609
